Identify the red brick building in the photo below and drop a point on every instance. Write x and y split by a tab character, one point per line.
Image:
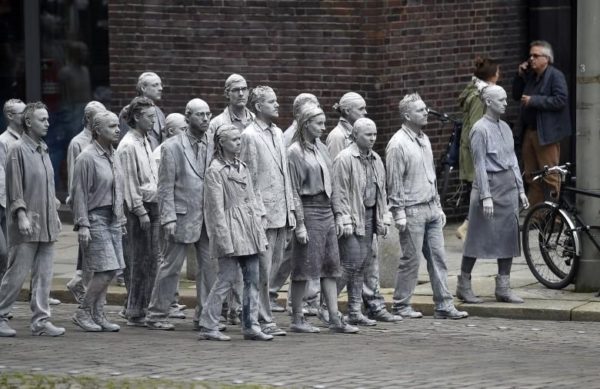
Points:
382	49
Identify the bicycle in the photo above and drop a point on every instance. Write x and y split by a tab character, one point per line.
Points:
448	162
551	232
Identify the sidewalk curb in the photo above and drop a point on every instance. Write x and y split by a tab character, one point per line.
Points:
532	309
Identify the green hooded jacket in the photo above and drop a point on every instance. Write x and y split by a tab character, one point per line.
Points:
473	109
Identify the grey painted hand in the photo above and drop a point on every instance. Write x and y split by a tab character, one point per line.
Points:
84	236
488	208
144	222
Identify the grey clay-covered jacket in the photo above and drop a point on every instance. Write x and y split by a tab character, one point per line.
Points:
349	183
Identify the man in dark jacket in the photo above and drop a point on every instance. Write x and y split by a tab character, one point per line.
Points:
545	119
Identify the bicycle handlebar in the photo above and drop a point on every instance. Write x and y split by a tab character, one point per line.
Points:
561	169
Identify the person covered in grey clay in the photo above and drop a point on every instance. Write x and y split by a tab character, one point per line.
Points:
360	208
236	93
13	113
143	224
313	287
78	283
149	85
494	209
264	154
351	107
415	205
181	189
236	234
175	124
316	253
97	190
32	223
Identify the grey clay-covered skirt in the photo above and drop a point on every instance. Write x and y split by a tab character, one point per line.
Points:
105	250
497	237
320	257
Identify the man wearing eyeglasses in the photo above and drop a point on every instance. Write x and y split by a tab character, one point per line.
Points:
236	113
543	93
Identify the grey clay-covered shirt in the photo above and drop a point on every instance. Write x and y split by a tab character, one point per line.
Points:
97	182
493	150
30	186
410	171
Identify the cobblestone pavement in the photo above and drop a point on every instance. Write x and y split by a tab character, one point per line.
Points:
422	353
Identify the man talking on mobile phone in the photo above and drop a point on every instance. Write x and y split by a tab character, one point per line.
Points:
542	91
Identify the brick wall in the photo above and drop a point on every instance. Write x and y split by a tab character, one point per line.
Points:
382	49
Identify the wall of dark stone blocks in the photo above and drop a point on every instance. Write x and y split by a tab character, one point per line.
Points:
382	49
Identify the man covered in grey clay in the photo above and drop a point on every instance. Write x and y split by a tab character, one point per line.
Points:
352	107
33	224
78	283
360	208
264	153
415	205
143	224
13	113
236	113
184	160
149	85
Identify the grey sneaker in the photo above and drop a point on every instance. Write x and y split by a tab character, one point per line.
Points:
137	321
197	327
5	330
53	301
258	336
384	316
83	319
103	322
452	313
75	286
275	307
160	325
300	325
343	328
360	320
206	334
47	329
273	330
176	313
408	313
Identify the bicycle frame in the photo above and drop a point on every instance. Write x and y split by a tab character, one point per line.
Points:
565	204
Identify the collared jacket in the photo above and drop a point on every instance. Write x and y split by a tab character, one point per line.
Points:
97	182
7	139
410	171
181	186
553	121
264	154
233	218
339	138
140	171
226	117
30	186
349	183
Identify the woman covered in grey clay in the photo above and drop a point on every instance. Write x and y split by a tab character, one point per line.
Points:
360	207
98	213
236	235
493	213
316	254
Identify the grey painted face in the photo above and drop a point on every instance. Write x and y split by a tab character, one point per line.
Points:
495	102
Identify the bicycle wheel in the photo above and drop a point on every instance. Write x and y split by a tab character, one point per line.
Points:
549	246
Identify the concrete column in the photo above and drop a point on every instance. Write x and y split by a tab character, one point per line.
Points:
588	135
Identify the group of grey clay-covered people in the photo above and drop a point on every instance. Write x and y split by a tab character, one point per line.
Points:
259	205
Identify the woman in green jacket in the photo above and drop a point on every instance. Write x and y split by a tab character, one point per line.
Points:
486	72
